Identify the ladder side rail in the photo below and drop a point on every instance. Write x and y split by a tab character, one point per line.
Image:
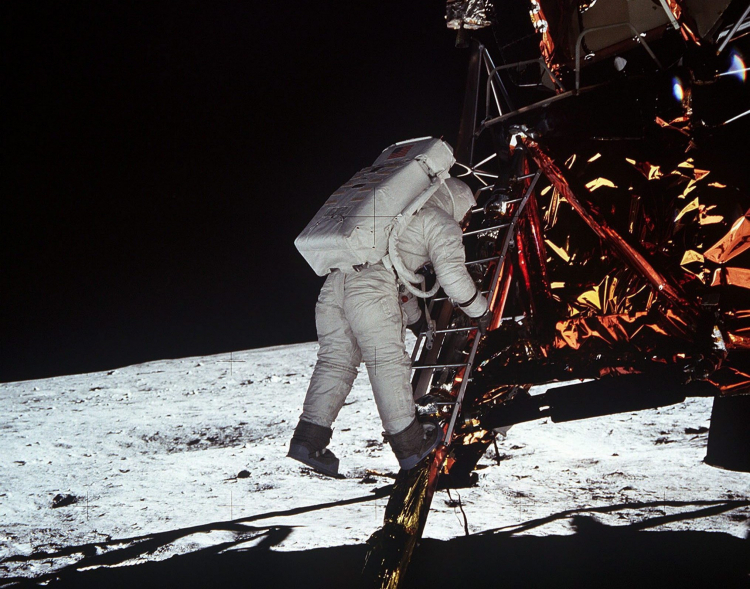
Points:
421	338
426	378
493	286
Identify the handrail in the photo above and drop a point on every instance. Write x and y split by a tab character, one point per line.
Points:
734	30
489	122
497	69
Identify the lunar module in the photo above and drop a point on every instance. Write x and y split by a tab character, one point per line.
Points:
607	144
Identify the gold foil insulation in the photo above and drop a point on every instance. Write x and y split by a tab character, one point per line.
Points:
646	264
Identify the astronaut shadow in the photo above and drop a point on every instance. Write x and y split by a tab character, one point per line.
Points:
107	557
594	555
221	566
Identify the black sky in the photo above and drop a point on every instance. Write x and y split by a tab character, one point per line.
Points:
160	158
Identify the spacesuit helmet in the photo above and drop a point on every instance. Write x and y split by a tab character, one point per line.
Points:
462	196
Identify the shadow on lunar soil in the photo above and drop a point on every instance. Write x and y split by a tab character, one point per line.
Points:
596	555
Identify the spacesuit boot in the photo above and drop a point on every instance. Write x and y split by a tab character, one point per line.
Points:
308	446
414	443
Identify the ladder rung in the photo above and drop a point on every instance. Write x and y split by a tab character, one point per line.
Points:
436	366
516	178
487	229
455	329
484	292
483	260
505	202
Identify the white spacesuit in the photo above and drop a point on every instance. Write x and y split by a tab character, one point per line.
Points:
358	317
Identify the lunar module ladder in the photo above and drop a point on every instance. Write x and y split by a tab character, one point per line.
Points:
406	513
445	317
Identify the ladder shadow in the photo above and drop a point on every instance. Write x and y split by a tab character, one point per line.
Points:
596	555
709	508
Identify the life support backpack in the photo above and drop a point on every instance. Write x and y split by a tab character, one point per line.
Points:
360	223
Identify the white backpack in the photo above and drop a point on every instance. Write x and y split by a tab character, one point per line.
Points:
355	225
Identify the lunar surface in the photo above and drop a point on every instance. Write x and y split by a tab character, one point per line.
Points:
176	457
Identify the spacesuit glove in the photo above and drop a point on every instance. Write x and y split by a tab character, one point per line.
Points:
419	326
483	322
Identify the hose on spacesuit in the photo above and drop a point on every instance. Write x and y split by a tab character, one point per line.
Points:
408	278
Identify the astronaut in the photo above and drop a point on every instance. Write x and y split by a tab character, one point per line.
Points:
358	317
